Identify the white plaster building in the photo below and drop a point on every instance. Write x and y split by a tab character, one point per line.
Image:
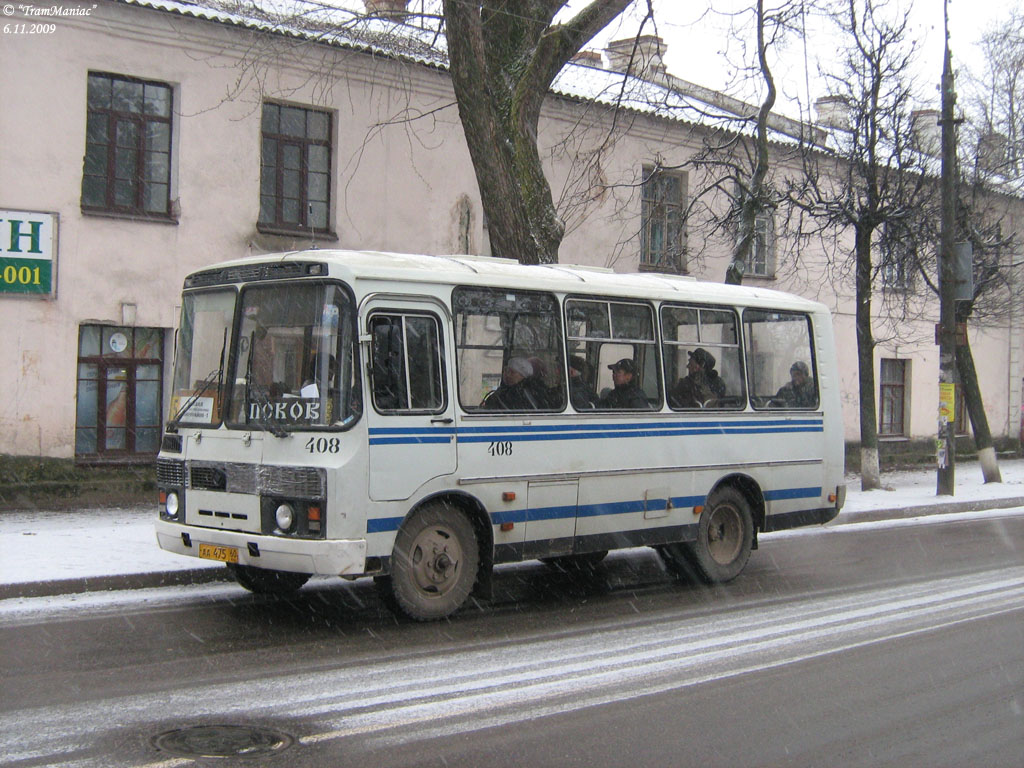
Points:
152	138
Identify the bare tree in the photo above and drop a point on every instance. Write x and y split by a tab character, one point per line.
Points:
871	176
503	57
996	99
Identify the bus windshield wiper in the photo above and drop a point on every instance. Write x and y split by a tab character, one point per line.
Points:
259	396
204	386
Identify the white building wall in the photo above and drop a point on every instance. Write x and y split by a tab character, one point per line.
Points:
400	170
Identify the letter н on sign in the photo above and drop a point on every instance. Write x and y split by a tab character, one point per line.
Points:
28	252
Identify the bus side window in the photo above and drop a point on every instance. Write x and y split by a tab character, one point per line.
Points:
509	350
703	368
406	363
780	359
602	334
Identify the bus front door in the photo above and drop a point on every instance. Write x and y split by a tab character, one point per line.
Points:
409	411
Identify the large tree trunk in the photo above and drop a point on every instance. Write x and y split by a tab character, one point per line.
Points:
976	410
503	57
870	474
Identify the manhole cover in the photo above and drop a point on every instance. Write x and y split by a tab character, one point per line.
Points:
223	741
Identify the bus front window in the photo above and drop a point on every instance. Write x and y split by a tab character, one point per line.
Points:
294	358
200	359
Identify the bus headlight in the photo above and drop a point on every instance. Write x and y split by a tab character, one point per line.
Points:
284	516
171	505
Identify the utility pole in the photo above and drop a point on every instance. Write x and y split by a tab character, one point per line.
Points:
946	443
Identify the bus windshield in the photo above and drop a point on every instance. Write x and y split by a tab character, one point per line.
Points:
294	358
201	357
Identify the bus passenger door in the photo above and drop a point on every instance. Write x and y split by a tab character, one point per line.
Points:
409	410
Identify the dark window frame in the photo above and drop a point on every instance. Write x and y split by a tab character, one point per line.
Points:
657	212
103	148
272	191
442	379
892	420
104	362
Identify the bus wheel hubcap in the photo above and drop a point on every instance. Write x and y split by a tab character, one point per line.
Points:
436	556
725	534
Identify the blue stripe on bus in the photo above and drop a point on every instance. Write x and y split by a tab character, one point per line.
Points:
412	430
640	425
409	440
793	493
388	524
543	433
652	432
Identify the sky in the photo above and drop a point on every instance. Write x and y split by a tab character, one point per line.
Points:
696	44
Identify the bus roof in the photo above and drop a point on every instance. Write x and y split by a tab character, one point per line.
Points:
489	271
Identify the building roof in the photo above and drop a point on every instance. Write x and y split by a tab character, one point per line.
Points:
659	95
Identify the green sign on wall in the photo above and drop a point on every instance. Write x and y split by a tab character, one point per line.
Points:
28	242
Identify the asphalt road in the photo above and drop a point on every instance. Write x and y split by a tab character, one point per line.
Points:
859	645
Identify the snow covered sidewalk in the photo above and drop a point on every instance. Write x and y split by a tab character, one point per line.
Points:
46	552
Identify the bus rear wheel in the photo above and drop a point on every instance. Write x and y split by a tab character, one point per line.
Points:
725	536
264	581
434	563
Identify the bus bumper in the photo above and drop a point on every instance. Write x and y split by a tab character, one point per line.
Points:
325	558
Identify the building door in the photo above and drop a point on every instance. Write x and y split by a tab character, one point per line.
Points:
119	391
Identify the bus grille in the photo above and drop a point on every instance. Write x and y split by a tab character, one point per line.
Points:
207	478
170	472
293	482
232	477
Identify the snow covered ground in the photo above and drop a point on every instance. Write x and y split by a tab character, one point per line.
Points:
44	546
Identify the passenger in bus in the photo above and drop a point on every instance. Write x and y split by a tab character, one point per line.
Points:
702	386
799	391
581	395
536	385
512	394
627	392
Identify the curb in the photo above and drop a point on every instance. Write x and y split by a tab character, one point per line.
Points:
116	582
213	575
937	508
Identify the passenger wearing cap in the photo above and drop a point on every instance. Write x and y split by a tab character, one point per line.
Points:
512	394
627	393
702	386
798	392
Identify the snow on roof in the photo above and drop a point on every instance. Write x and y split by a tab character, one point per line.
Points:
578	80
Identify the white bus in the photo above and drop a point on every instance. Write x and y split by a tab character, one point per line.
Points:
422	419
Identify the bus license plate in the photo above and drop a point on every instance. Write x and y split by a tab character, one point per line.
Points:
214	552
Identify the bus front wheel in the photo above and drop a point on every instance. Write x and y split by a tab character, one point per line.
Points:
264	581
434	563
725	537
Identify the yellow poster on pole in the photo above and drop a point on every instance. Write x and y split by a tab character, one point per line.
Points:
947	401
